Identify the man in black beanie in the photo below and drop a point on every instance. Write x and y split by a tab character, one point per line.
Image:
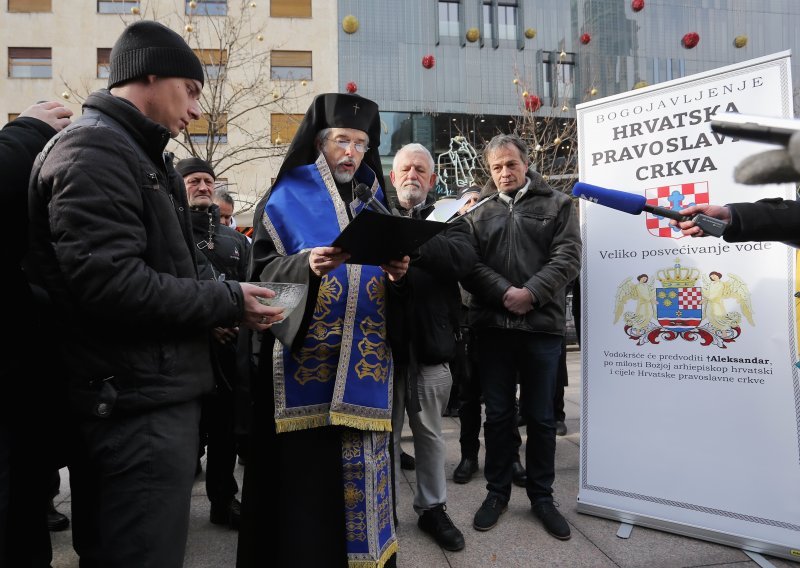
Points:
111	242
222	254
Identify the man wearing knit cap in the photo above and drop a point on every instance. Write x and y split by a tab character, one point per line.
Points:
111	242
319	460
222	254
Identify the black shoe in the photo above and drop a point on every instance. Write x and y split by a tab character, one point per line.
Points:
464	470
561	428
56	521
437	523
555	524
227	513
518	474
407	461
489	513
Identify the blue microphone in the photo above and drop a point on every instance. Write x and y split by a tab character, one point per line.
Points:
635	204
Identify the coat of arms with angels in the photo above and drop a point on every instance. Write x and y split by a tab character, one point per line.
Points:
710	313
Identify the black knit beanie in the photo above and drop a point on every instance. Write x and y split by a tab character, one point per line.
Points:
150	48
192	165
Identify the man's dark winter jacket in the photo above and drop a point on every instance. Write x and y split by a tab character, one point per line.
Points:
111	241
20	141
432	305
231	252
533	243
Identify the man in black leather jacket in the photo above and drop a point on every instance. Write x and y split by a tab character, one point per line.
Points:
111	243
529	249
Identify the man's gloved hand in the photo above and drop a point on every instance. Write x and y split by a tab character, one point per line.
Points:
772	166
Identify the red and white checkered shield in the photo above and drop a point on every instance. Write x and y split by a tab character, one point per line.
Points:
675	197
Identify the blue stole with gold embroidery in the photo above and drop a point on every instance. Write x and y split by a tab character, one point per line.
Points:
342	373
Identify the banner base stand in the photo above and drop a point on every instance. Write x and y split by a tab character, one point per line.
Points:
625	530
758	559
748	545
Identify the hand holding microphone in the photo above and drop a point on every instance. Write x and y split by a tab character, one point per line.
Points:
635	204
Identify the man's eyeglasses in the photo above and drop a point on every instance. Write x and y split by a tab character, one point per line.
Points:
345	144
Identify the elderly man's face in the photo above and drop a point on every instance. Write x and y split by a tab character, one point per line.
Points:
412	177
199	189
344	148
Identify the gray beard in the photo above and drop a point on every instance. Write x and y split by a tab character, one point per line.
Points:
342	177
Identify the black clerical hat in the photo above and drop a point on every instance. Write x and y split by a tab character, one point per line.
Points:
335	110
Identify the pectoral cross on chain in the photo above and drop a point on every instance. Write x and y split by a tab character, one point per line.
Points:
355	109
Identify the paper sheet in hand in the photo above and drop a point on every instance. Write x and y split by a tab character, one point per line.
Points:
374	238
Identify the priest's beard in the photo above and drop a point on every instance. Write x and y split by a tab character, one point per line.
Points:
343	176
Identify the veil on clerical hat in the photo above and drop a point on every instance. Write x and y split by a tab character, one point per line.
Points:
335	110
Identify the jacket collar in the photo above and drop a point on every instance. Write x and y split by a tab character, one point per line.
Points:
150	135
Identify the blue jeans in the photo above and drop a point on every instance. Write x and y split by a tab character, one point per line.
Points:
503	357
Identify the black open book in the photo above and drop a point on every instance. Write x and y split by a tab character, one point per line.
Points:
375	238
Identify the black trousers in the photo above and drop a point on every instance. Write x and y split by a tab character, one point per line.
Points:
217	423
131	478
502	356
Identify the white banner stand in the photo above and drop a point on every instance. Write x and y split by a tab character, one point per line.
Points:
690	418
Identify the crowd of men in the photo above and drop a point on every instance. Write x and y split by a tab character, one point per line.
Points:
157	345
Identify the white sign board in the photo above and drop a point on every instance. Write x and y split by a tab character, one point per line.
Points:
691	403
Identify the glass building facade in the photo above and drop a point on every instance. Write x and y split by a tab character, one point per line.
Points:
501	63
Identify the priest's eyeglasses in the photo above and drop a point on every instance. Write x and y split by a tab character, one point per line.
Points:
345	144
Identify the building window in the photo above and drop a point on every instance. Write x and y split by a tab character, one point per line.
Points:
30	62
30	6
487	19
448	18
284	127
203	128
290	8
116	6
103	62
558	70
213	60
507	20
207	8
293	65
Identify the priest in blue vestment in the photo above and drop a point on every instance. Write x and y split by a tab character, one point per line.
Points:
319	466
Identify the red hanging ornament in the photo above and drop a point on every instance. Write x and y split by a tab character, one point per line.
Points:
690	40
585	38
428	61
351	87
637	5
533	103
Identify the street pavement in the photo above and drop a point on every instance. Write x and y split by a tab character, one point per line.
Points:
518	541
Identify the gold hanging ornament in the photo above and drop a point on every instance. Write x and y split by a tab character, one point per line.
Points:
135	10
260	37
189	28
593	92
530	33
740	41
640	84
473	35
516	81
350	24
65	95
557	141
192	4
252	4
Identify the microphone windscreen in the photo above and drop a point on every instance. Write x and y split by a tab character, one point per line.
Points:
619	200
362	192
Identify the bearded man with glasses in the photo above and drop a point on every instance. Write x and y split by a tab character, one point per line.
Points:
322	398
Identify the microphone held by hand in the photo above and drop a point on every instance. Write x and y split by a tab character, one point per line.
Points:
368	199
635	204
